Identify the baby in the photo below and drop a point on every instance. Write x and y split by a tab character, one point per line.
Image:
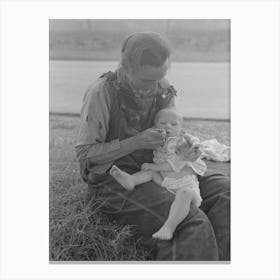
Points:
169	170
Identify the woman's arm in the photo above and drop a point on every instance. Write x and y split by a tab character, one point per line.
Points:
94	125
94	122
102	153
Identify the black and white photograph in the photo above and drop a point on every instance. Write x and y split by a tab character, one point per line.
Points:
139	140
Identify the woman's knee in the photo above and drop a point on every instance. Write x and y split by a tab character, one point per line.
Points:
214	185
197	218
200	235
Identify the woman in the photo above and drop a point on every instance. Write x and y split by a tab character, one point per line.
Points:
116	128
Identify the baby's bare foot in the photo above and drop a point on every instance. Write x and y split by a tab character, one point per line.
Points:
123	178
164	233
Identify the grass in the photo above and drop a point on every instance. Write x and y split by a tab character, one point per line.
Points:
78	229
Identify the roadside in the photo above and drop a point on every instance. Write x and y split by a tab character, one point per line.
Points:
78	231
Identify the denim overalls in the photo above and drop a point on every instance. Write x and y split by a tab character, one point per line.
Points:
198	237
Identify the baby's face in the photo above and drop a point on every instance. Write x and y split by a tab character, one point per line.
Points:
170	122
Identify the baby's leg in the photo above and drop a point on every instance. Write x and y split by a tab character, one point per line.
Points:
179	210
129	181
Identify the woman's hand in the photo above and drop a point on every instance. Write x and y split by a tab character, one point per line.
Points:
189	150
150	138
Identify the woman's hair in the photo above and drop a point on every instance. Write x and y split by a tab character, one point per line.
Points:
144	48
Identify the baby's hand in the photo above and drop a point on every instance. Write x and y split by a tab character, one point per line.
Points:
147	166
163	132
190	151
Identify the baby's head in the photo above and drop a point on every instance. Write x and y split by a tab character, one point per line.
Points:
170	120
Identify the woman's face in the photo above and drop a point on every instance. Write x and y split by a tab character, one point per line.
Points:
145	79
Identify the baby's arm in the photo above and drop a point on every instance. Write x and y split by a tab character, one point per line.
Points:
157	167
189	150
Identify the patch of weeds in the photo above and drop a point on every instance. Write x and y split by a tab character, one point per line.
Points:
77	228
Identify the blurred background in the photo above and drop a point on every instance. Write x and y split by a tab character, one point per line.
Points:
81	50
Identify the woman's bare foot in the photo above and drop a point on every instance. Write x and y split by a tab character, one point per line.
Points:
126	180
164	233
